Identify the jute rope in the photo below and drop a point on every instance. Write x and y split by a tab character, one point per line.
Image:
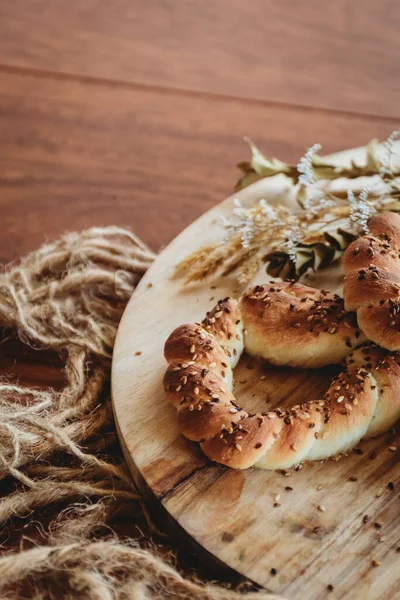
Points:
64	486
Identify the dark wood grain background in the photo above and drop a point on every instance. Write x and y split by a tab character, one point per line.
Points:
133	112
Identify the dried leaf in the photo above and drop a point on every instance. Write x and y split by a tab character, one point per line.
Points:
315	256
261	167
372	162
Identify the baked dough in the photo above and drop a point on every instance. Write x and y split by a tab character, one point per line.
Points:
288	323
372	280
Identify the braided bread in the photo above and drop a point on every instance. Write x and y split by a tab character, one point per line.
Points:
372	280
361	402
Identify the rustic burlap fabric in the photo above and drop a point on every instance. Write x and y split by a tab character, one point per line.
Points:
72	523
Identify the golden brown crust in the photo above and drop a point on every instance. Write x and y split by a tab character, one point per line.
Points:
243	445
193	382
369	287
385	367
372	280
350	406
367	251
203	420
299	428
292	324
386	227
198	379
381	323
190	344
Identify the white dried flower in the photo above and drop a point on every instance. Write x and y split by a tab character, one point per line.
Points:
250	222
268	211
305	166
316	202
238	211
361	209
294	237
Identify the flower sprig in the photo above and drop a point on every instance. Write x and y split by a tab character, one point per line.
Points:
316	236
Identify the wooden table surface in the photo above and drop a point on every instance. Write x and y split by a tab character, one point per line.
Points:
133	112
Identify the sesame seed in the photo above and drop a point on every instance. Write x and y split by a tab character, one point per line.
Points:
196	391
376	563
321	507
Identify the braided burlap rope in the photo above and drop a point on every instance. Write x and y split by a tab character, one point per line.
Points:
63	482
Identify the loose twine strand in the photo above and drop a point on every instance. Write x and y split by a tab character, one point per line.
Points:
61	470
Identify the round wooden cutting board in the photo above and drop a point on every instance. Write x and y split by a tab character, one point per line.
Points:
295	533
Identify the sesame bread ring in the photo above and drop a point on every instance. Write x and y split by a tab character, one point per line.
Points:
361	402
372	280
